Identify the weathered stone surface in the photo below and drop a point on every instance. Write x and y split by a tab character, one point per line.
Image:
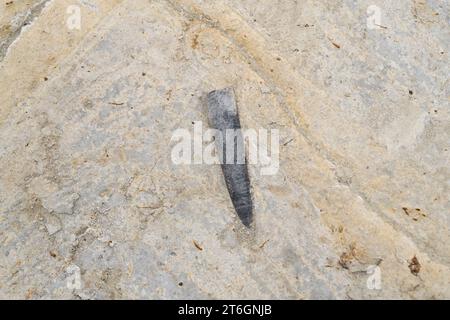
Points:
88	190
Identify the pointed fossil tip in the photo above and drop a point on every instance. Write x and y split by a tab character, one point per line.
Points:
245	214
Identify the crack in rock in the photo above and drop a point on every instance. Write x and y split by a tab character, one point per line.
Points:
24	20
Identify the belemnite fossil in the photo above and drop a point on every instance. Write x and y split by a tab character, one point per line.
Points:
223	116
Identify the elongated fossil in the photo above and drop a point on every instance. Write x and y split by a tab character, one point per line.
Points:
224	117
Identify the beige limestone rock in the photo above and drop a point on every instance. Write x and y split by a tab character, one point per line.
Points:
86	177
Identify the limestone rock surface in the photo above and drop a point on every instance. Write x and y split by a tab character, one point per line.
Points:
93	207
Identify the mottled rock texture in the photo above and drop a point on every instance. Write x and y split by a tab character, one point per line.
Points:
92	207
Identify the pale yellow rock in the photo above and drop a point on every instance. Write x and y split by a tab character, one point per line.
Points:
363	182
39	49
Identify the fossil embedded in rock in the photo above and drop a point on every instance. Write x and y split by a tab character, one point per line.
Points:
224	117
